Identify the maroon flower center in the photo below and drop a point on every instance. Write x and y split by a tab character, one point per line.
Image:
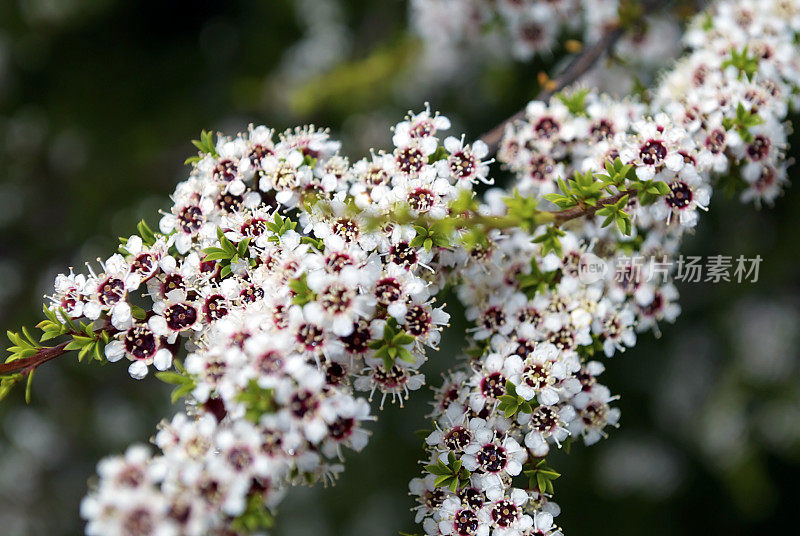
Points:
225	170
472	497
715	141
410	160
111	291
376	176
492	458
252	294
655	306
759	149
335	373
653	152
422	129
337	261
466	523
180	316
143	265
358	341
190	219
434	498
421	199
240	458
173	282
394	377
310	336
563	339
336	299
140	342
341	428
457	438
602	129
595	414
462	165
504	513
530	315
544	419
546	127
418	320
254	227
346	228
524	348
493	385
302	403
680	195
229	203
766	179
532	32
493	318
257	154
535	376
403	255
139	522
270	362
216	307
387	291
540	168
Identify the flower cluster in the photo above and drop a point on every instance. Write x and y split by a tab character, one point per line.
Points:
532	26
283	272
541	318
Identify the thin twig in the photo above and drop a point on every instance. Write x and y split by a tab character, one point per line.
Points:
30	363
576	68
563	216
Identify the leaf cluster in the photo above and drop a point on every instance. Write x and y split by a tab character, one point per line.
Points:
256	516
746	65
451	475
228	254
430	236
257	400
511	403
541	476
575	101
301	292
184	382
742	122
206	145
393	345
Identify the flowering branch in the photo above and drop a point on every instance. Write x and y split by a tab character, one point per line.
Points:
574	70
295	279
577	68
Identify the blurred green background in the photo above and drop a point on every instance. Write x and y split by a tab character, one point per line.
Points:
98	102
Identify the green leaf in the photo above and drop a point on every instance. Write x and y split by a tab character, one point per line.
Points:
147	235
138	313
302	294
29	387
575	102
540	476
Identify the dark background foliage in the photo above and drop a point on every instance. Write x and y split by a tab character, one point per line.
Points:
98	102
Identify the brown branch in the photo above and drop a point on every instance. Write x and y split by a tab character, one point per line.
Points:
28	364
576	68
573	71
563	216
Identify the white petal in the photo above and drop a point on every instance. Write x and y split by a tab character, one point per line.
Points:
137	370
163	359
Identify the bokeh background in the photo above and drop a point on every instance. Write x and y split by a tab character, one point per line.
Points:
98	102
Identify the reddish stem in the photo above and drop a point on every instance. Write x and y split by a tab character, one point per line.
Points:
28	364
